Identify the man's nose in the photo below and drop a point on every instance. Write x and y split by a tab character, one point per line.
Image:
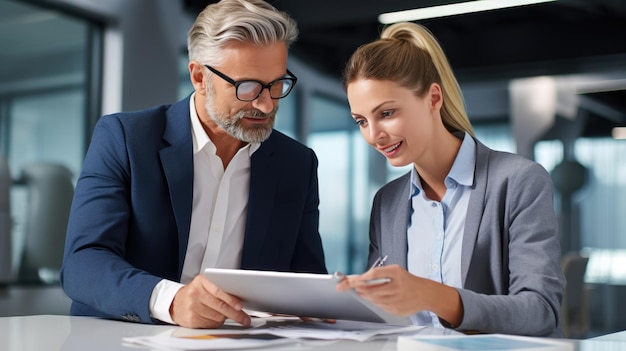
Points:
264	102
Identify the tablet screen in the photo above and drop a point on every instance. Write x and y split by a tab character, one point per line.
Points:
298	294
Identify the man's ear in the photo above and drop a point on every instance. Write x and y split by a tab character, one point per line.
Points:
197	76
435	96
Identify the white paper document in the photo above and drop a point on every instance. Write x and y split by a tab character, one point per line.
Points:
271	333
215	341
346	330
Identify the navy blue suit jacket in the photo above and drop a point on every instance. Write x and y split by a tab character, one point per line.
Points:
130	217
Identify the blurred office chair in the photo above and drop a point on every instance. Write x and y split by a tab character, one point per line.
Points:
575	307
49	196
6	225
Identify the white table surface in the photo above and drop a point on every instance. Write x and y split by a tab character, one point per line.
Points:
618	336
69	333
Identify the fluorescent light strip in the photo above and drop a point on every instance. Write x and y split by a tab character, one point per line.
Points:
453	9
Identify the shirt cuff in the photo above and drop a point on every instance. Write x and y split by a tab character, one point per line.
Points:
161	300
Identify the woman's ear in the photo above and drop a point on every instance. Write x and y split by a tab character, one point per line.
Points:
435	96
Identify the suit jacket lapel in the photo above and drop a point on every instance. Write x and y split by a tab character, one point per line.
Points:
475	208
263	170
177	162
395	219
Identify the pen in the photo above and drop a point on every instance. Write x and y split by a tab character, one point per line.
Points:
380	261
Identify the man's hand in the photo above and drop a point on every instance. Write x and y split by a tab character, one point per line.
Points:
201	304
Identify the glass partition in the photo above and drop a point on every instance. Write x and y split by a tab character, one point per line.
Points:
48	82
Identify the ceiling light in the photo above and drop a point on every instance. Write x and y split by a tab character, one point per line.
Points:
452	9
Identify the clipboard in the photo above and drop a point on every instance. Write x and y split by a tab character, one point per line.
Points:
298	294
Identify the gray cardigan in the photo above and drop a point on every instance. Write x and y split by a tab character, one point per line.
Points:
510	260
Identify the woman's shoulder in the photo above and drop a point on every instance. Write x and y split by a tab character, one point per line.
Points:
396	186
505	162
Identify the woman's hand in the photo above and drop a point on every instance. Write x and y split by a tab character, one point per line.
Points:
390	287
405	294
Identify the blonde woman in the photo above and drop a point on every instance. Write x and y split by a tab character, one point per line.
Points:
470	234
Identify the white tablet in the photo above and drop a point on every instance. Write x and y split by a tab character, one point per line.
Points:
298	294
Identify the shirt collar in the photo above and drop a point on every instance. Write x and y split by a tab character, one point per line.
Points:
462	171
200	137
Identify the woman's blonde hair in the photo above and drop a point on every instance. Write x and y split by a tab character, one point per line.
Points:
409	54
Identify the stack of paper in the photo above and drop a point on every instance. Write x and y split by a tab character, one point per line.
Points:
271	333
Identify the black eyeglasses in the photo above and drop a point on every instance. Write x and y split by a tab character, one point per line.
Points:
249	90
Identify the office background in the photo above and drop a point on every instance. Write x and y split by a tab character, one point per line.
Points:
547	81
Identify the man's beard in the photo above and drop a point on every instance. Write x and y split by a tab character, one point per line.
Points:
234	126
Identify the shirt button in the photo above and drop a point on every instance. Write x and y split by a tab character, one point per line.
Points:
434	267
438	236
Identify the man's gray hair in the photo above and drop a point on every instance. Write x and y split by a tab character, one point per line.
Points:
248	21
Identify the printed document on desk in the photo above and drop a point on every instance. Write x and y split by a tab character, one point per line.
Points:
482	342
298	294
213	341
341	330
272	332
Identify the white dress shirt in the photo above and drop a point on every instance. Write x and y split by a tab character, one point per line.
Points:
435	231
218	216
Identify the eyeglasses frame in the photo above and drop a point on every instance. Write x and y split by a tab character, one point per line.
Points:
267	86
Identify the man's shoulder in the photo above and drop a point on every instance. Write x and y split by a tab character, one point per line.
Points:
138	116
151	126
156	111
